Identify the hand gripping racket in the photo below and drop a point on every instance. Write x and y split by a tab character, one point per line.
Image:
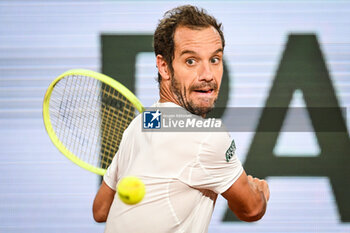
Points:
85	114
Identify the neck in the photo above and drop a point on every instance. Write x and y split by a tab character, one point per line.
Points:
166	95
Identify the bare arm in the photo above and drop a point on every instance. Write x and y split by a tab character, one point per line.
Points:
102	202
248	197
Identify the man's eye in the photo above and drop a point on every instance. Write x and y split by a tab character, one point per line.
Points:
190	62
215	60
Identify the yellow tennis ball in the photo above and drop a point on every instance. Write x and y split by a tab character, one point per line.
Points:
131	190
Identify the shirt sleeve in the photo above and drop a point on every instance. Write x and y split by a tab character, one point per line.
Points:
216	166
110	177
115	169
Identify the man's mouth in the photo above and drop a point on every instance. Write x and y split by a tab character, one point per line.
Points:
205	91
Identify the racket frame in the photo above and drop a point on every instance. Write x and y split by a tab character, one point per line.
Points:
46	112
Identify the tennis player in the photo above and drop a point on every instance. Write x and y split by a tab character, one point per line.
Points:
184	171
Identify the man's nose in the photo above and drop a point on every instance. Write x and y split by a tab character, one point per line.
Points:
205	73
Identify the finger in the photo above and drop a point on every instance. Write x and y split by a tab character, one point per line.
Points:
266	190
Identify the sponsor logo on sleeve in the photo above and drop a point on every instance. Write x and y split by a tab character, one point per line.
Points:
230	151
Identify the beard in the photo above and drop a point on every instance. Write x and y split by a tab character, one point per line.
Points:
189	105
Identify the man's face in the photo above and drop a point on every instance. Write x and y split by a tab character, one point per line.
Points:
198	68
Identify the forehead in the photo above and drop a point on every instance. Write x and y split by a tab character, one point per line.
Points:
186	38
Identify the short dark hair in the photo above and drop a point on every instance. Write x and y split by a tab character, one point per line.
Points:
188	16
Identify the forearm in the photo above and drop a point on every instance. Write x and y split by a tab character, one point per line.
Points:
102	203
247	198
252	207
257	203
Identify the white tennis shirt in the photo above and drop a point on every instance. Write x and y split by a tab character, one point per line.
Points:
183	173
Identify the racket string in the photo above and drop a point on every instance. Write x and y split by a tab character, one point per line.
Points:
113	123
89	118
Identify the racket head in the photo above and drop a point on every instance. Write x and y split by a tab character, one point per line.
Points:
85	114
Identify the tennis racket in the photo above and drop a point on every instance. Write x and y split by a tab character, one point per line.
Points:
85	114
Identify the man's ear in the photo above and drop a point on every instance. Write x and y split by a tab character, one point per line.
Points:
163	68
